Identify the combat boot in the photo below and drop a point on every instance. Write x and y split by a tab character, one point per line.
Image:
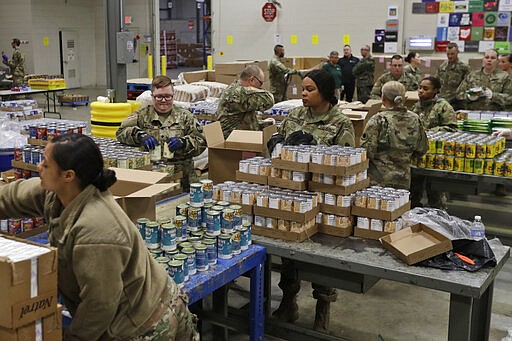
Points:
288	310
322	316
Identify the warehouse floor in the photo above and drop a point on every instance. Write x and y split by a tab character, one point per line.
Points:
389	311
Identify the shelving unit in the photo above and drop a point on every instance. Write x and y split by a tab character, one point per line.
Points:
169	48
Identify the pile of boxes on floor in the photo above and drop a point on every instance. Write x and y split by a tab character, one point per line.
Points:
28	291
203	232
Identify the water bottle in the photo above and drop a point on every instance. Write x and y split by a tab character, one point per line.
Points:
508	337
477	228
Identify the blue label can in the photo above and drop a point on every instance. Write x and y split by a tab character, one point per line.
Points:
182	209
207	190
206	207
211	250
171	253
196	194
164	262
244	238
141	226
237	216
156	253
235	243
191	259
152	234
248	225
213	222
194	214
201	257
168	237
181	228
176	271
184	260
227	220
224	246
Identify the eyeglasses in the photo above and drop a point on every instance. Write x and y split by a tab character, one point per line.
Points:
163	97
261	83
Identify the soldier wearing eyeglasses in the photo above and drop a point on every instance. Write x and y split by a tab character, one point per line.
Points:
167	128
241	101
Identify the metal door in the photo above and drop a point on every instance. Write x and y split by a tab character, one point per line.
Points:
70	62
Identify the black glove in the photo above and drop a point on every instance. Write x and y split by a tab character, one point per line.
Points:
274	140
147	141
300	137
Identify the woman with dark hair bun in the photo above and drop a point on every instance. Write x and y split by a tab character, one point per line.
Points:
107	279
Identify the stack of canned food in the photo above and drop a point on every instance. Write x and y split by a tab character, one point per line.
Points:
339	156
48	129
283	108
257	165
120	155
15	226
465	152
326	218
19	110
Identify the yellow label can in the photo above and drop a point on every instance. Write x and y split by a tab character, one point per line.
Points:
431	146
478	166
460	149
448	162
469	165
439	162
449	148
458	164
489	166
470	150
430	160
422	161
440	146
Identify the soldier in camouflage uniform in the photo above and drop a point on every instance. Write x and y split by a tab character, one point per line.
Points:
488	88
363	72
391	137
396	74
321	119
277	71
451	73
175	130
435	114
413	68
240	102
16	63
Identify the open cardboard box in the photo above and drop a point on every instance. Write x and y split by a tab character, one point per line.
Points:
224	155
139	191
335	231
416	243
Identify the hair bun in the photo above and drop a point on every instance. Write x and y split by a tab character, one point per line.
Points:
398	100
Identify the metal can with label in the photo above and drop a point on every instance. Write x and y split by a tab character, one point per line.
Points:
207	190
237	216
422	161
458	164
469	165
155	253
177	271
448	162
470	150
478	166
211	250
156	154
196	194
244	238
235	243
227	220
194	221
431	146
439	162
168	237
480	150
489	166
181	228
213	222
191	259
152	235
430	158
460	148
449	147
171	253
223	204
182	209
164	262
440	146
201	257
224	246
184	260
15	226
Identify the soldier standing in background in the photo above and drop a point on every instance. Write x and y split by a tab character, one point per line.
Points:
395	74
414	60
488	88
16	63
335	70
364	73
348	81
167	128
391	137
451	73
241	100
278	71
505	64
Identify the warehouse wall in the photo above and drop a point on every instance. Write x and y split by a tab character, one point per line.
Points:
252	37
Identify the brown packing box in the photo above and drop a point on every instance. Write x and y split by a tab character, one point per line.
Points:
411	97
285	215
232	68
380	214
263	64
51	329
139	191
285	235
339	170
254	178
224	155
294	90
416	243
290	165
225	79
343	190
369	234
289	184
303	62
17	308
335	231
333	209
197	76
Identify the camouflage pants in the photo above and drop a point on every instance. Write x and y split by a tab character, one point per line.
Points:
420	183
17	81
363	93
177	322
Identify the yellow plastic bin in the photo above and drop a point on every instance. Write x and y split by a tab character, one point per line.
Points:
107	117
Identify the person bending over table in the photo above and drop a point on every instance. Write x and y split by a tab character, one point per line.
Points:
391	137
107	279
318	121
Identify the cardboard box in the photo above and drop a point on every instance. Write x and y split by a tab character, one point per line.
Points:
290	165
139	191
232	68
333	209
335	231
289	184
411	97
28	233
224	155
416	243
286	215
51	329
380	214
343	190
294	89
339	170
17	307
197	76
225	79
285	235
369	234
257	179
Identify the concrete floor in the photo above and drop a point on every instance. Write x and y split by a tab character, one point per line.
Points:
389	311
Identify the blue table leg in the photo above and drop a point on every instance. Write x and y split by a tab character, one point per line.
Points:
257	316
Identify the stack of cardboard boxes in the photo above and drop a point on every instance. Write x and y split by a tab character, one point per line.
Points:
294	89
227	73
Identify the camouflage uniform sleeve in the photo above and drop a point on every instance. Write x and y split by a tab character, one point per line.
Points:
195	142
258	100
127	132
283	69
370	138
504	98
346	135
412	82
422	145
463	87
377	89
289	125
446	118
365	65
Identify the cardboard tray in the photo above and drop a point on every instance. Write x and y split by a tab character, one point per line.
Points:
285	235
335	231
23	165
257	179
338	170
343	190
369	234
416	243
246	209
37	142
289	184
379	214
290	165
333	209
285	215
28	233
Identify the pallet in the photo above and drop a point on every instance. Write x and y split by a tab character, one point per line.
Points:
74	103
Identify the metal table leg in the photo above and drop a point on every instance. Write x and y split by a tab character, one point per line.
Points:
256	315
220	307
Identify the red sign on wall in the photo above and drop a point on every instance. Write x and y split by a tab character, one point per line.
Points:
269	12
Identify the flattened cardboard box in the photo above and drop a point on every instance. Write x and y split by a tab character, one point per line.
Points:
51	329
138	191
224	155
285	235
416	243
17	308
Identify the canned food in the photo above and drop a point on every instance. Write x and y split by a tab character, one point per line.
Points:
460	148
211	250
227	220
478	166
141	226
480	150
164	262
235	242
439	162
181	227
458	164
194	221
176	271
168	237
213	222
184	261
207	190
422	161
196	194
440	146
449	148
156	154
224	246
249	230
489	166
191	259
201	257
448	162
244	238
431	146
170	254
470	150
430	160
152	235
469	165
237	216
155	253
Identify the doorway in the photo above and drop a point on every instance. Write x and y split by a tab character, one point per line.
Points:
69	58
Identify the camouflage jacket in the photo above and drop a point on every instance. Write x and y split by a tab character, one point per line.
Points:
409	81
451	75
363	71
498	81
179	123
436	114
330	128
391	137
238	106
414	71
17	63
277	71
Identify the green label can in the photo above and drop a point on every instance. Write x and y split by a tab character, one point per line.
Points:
478	166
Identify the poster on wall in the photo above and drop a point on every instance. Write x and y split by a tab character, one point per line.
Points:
443	19
505	5
390	47
461	6
393	12
503	19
